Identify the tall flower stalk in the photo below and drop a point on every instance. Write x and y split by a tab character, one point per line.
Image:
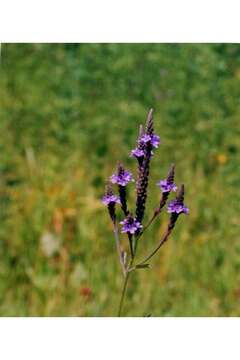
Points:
132	224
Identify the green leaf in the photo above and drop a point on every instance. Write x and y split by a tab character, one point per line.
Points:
142	266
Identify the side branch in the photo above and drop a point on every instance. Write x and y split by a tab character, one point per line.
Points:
156	213
163	240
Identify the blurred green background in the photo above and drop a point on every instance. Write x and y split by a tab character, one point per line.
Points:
68	114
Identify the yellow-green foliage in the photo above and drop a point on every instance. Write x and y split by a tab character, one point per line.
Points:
68	114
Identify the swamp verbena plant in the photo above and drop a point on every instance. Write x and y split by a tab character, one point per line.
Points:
132	224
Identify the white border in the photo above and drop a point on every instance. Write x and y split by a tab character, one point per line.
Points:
120	21
118	339
125	21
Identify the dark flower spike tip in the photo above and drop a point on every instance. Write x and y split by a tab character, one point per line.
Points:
138	152
143	171
110	200
167	184
122	190
171	174
149	123
141	132
109	196
177	206
149	136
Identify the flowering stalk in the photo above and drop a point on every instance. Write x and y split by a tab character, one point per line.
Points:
167	186
111	200
132	225
138	152
175	208
143	173
122	178
122	188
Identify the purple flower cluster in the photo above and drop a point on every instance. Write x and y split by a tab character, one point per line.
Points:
147	141
137	153
110	198
143	140
121	178
130	225
175	207
153	139
167	186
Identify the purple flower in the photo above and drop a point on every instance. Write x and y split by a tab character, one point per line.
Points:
145	138
144	167
176	206
137	153
154	140
167	186
110	198
121	178
130	225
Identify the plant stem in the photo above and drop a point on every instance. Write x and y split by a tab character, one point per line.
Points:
124	287
156	212
124	270
163	240
131	245
123	294
150	221
130	267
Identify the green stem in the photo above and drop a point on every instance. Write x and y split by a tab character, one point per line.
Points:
156	213
131	245
123	294
124	288
163	240
119	250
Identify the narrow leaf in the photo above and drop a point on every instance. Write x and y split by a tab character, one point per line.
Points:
142	266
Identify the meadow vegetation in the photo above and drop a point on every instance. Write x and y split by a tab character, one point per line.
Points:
68	114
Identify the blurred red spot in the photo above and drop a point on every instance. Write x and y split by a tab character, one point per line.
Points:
86	292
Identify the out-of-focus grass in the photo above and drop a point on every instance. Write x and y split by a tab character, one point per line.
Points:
68	114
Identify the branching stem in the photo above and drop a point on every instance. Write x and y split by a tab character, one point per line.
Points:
163	240
124	289
156	213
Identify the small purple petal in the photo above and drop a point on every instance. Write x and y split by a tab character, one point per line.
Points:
175	207
166	186
137	153
185	210
130	225
155	141
121	179
145	138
